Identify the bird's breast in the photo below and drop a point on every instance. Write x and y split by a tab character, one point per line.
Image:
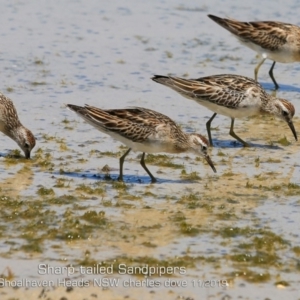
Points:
245	109
286	53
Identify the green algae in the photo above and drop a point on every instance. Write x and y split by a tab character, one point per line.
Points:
284	141
162	160
250	276
43	191
95	218
90	190
190	176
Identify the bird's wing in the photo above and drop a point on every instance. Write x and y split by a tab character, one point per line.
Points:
267	34
224	90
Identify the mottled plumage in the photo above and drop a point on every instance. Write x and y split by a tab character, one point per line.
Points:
231	95
12	127
143	130
276	41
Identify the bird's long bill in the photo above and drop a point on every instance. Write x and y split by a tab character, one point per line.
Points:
291	125
209	161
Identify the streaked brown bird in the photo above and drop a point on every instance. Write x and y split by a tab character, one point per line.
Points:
145	130
233	96
11	126
272	40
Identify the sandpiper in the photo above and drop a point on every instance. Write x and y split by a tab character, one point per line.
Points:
143	130
12	127
233	96
276	41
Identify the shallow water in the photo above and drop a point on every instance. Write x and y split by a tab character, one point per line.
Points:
239	225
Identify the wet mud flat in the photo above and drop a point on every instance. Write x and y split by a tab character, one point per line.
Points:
209	224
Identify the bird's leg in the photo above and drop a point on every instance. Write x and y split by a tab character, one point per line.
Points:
257	68
122	158
272	76
232	133
153	179
208	123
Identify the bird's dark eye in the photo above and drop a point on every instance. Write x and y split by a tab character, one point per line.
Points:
204	148
26	145
285	113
